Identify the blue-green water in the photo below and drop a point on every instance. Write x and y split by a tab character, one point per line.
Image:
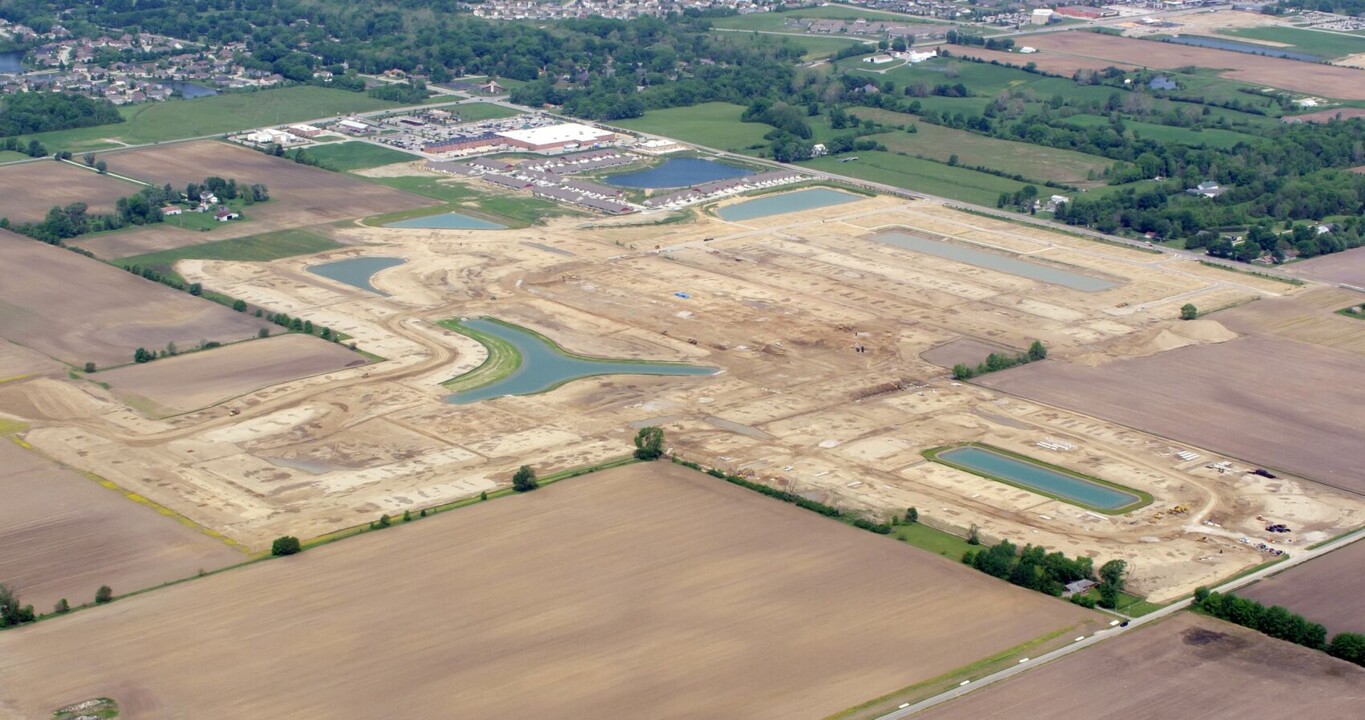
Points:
543	368
994	261
1041	478
677	172
1242	47
356	272
787	202
446	221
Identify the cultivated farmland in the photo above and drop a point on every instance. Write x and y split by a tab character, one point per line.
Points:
1086	47
1306	421
1329	590
80	310
1343	267
1188	666
688	609
189	382
64	535
300	195
29	190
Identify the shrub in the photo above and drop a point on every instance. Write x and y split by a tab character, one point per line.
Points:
1189	312
285	545
103	595
62	607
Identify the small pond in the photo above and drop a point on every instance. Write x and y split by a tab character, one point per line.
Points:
677	172
191	90
1161	82
787	202
545	366
10	62
446	221
356	272
1243	47
1018	472
994	261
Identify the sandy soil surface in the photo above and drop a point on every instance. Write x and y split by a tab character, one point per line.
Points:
778	304
64	536
188	382
300	195
1294	420
50	308
646	591
1188	666
1325	80
29	190
1347	266
1329	590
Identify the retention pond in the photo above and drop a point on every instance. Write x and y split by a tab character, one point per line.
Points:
1043	480
446	221
521	362
994	261
808	199
356	272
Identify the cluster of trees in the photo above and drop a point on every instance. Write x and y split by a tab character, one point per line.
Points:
1280	623
285	545
13	612
955	37
1000	361
32	148
34	112
408	93
1048	572
524	479
295	324
649	443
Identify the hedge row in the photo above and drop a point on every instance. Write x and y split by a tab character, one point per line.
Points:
1278	622
784	496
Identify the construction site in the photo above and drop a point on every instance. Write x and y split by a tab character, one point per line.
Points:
833	335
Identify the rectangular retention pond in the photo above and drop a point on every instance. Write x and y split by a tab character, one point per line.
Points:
808	199
994	261
1031	476
446	221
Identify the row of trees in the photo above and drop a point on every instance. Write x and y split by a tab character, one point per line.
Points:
1279	622
1000	361
13	612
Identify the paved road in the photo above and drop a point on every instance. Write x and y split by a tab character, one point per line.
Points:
1298	557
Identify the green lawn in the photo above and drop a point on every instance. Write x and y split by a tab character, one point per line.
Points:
935	541
922	175
1325	45
814	46
356	155
472	111
257	248
229	112
11	156
1036	162
772	21
713	124
511	210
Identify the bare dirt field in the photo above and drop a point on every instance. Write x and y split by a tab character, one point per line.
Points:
969	352
80	310
779	304
1323	116
1188	666
1309	317
64	535
1303	417
29	190
1329	590
1325	80
193	381
1347	266
645	591
300	195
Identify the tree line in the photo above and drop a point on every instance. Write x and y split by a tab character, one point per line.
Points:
25	113
1000	361
1279	622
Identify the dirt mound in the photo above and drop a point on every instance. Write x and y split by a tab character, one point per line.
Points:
1204	331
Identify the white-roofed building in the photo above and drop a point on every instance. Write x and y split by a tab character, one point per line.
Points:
557	137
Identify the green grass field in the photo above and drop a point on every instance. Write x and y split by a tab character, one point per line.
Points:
1032	161
257	248
922	175
713	124
230	112
11	156
512	210
935	541
1325	45
473	111
1211	137
814	46
772	21
355	155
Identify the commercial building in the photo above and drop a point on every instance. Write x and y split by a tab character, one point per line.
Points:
563	136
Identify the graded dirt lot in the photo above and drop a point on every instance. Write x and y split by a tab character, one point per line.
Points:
1300	413
778	304
79	310
645	591
1329	590
192	381
1188	666
1326	80
300	195
1347	266
64	536
29	190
